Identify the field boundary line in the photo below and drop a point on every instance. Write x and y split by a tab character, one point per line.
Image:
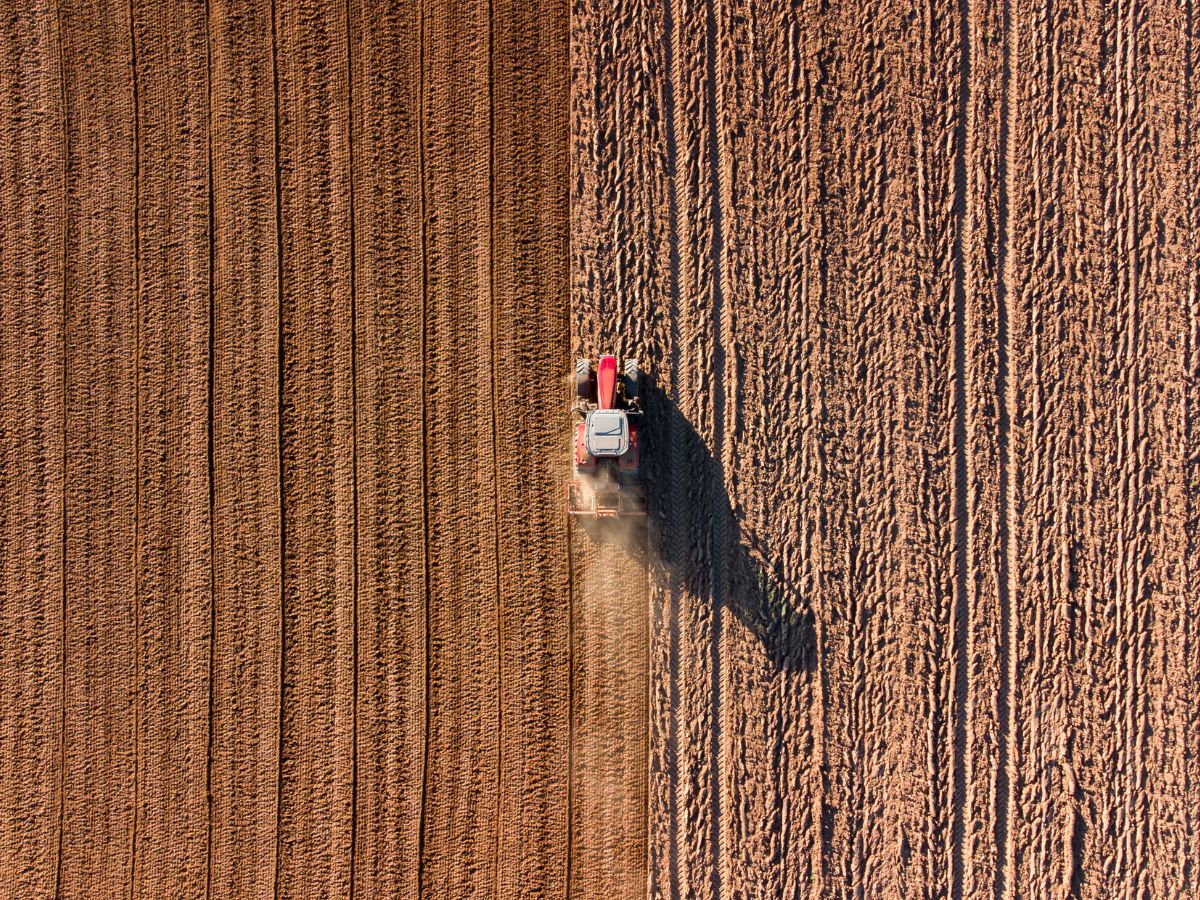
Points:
423	201
353	250
137	451
492	321
281	495
211	426
65	358
1006	400
719	177
962	514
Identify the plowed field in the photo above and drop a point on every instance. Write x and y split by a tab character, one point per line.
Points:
289	601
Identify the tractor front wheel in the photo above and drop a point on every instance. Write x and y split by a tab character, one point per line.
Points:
583	379
632	380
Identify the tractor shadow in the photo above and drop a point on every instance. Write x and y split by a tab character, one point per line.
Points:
690	518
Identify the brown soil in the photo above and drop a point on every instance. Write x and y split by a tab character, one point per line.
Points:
289	601
917	287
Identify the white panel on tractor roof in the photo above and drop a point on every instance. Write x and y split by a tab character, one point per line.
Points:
607	432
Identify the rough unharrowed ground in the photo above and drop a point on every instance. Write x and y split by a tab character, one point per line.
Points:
289	601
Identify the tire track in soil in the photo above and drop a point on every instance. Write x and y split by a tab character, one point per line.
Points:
608	810
1005	506
174	575
98	777
684	740
247	514
1169	671
317	420
1186	671
1191	459
1098	162
32	194
983	239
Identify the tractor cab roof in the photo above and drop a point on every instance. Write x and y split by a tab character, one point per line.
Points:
607	432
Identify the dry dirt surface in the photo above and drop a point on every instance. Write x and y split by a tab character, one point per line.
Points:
284	590
917	283
289	601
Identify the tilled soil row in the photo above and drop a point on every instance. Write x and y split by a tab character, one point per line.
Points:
915	284
285	564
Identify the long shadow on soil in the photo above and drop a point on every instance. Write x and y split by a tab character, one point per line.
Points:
690	513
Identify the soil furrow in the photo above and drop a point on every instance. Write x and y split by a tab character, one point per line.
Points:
247	515
1134	469
861	457
31	450
137	453
317	447
493	327
389	302
529	341
426	574
210	452
460	821
1003	796
1036	444
174	568
831	536
281	483
64	422
348	25
936	91
983	246
98	781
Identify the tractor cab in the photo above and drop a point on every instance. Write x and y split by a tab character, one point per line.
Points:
606	432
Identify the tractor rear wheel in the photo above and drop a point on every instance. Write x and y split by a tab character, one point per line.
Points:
632	380
583	379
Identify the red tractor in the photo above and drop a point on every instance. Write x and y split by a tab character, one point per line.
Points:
606	478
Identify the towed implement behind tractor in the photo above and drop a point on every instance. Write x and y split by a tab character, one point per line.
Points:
606	480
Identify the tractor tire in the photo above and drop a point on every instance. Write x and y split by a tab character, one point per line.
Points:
633	378
583	379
